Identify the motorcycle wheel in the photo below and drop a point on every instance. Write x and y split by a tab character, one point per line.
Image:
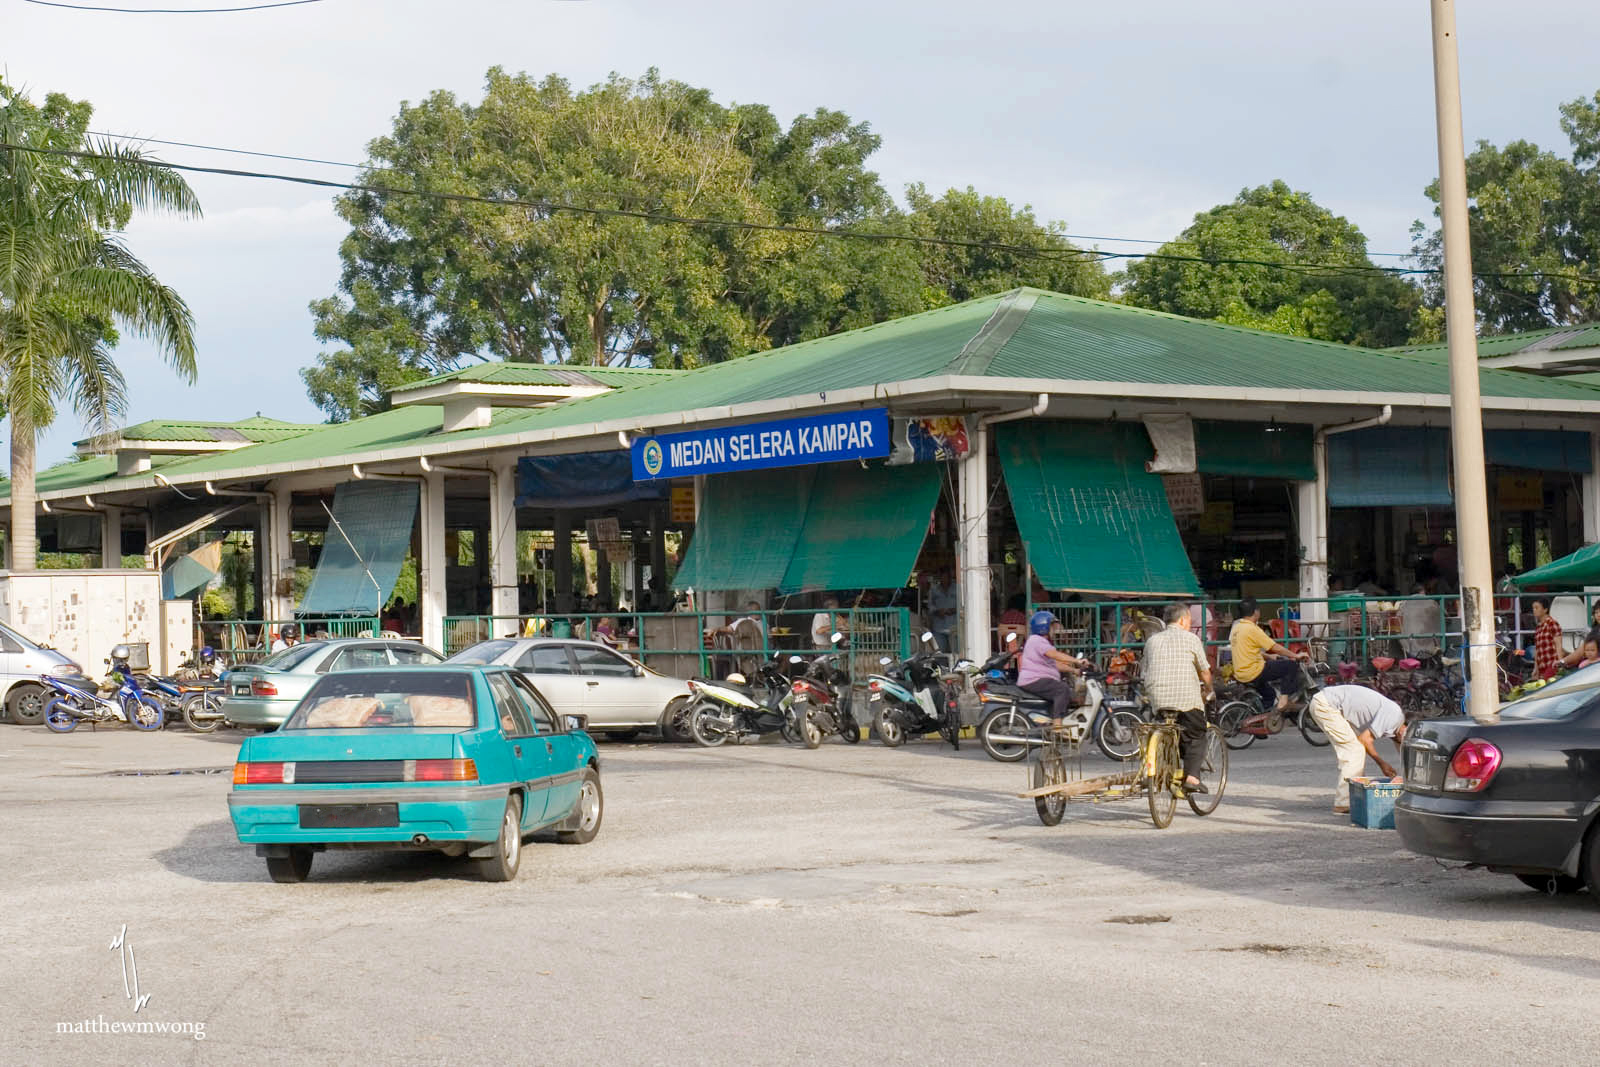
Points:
143	716
58	718
810	732
849	729
202	713
703	732
890	732
1311	729
1230	717
950	730
1117	735
1005	722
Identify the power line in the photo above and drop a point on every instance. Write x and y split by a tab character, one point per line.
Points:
554	207
171	10
364	166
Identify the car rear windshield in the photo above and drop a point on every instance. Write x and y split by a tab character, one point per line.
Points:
1558	700
386	700
290	658
482	652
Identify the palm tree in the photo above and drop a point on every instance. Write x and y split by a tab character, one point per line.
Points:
67	280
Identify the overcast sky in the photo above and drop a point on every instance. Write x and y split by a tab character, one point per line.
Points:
1123	120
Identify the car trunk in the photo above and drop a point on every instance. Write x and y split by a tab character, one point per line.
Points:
1524	744
380	744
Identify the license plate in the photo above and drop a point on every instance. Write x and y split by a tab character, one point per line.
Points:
348	816
241	690
1418	767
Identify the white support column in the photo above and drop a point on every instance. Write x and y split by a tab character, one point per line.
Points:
430	567
1312	507
277	523
972	553
111	537
1591	493
503	547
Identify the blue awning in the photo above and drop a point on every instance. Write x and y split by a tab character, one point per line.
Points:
581	480
366	544
1390	466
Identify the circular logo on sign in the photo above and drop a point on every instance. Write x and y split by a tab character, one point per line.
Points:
652	458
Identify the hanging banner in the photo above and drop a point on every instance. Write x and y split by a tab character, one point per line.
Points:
934	439
1172	436
799	442
682	503
1185	495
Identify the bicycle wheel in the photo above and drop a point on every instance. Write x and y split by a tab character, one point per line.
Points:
1117	735
1158	787
1311	729
1434	700
1050	770
1213	773
1229	718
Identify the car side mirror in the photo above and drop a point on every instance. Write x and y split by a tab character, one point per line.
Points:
576	722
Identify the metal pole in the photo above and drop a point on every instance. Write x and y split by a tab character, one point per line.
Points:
1466	414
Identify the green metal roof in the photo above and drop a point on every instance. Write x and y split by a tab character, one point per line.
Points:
1554	339
540	374
83	473
1023	334
253	430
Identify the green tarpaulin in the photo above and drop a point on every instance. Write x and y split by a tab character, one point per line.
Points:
863	528
1254	450
745	533
1579	569
1092	519
368	537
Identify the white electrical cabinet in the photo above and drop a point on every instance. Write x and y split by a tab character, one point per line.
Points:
83	613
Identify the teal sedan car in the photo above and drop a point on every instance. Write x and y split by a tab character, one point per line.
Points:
463	760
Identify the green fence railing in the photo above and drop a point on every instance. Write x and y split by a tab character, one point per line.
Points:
250	640
684	644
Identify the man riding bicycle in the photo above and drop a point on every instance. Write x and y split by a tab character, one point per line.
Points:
1178	678
1258	660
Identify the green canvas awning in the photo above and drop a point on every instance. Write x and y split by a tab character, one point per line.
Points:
745	533
863	527
368	537
1092	518
1254	449
1579	569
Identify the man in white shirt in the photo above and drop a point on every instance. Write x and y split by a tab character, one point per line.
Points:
1353	717
825	623
289	635
941	605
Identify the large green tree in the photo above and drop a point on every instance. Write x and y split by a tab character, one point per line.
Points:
67	281
429	284
1306	272
1534	220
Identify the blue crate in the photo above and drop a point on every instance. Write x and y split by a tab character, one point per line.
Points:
1372	802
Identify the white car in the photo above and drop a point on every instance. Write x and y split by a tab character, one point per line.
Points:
619	695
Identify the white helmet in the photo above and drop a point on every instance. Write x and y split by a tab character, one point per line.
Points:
736	678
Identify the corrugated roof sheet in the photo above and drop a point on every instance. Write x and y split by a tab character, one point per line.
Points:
1554	339
257	429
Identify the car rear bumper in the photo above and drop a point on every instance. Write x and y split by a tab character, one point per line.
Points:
256	711
1455	828
271	814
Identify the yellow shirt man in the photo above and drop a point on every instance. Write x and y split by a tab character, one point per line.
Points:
1249	644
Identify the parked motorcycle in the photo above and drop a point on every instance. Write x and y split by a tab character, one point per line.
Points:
912	698
71	704
822	697
729	709
197	703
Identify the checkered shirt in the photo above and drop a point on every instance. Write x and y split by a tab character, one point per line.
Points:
1173	660
1547	647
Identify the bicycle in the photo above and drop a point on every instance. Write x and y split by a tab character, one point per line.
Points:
1056	776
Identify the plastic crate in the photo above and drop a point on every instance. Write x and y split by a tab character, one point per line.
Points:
1372	802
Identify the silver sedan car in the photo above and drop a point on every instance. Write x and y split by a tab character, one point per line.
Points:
263	694
620	696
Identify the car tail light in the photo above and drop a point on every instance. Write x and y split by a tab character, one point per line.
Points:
260	688
1474	763
441	770
694	687
263	774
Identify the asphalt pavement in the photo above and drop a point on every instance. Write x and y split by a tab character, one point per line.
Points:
768	904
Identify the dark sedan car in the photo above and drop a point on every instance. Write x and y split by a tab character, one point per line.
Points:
1519	796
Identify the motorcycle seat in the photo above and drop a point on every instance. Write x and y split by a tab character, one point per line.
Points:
1410	664
1023	698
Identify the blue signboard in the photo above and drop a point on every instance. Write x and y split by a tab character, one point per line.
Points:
782	443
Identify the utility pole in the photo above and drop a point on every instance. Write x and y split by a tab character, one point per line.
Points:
1466	410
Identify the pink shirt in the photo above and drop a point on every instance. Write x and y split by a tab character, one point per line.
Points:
1035	665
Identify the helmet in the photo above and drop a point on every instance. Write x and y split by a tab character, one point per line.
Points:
1040	623
737	679
208	652
121	652
289	630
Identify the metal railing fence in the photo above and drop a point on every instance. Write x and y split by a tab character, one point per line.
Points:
250	640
